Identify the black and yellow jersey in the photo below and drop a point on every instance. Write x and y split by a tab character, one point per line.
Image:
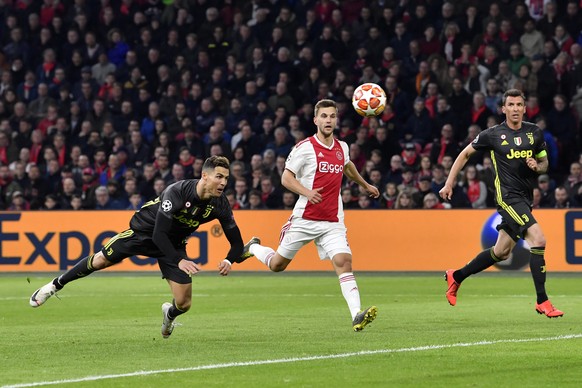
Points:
509	148
181	203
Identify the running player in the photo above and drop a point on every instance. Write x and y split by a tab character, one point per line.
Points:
314	170
160	229
518	152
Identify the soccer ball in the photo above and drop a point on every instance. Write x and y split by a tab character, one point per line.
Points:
369	99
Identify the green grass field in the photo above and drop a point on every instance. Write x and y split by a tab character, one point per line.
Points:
266	330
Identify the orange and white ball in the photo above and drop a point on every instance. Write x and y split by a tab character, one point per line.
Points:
369	99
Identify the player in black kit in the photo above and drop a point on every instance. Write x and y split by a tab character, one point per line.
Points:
518	153
160	229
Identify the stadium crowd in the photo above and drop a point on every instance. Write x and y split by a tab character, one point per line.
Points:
105	103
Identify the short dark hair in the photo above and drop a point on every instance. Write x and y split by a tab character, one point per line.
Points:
512	93
325	103
215	161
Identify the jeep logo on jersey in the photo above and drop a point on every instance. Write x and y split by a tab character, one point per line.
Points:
167	205
513	154
326	167
517	141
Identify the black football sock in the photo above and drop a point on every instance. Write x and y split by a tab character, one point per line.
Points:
83	268
173	312
537	267
481	262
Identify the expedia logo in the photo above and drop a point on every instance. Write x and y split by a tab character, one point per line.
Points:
513	154
326	167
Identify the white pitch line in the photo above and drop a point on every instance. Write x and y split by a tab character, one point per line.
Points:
294	359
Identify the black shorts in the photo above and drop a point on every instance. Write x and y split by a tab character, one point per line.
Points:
516	219
128	243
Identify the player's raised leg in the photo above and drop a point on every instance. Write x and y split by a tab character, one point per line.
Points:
112	253
481	262
247	248
266	255
83	268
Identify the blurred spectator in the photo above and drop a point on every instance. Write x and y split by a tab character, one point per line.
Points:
69	189
474	187
516	59
562	199
551	145
404	200
573	181
410	156
255	202
159	186
546	190
282	144
348	200
270	195
18	202
562	124
408	183
76	202
445	145
113	170
37	188
117	195
479	111
364	202
388	197
241	192
431	201
288	200
394	174
546	81
51	203
418	127
8	151
177	173
102	200
136	202
424	188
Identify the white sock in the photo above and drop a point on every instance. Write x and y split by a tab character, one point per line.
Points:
350	291
263	254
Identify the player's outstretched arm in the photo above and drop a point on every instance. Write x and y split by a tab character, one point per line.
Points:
352	173
290	182
236	250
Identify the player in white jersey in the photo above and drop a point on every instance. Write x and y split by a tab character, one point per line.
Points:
314	170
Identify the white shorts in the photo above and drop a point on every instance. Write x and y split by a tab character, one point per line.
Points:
330	238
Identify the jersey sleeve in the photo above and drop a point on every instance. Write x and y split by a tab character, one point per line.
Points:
346	151
171	201
296	158
483	140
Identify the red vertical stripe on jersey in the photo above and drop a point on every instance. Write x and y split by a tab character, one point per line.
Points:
328	175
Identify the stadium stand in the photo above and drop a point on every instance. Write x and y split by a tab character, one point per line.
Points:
96	94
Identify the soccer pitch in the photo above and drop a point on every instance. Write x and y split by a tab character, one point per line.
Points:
271	330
